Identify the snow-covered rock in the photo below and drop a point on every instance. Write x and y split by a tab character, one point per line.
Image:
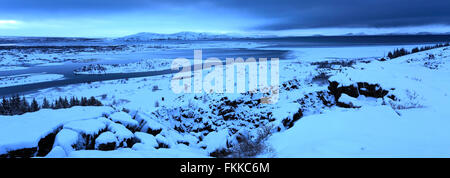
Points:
25	131
163	142
67	140
146	139
349	101
121	132
88	127
57	152
106	141
125	119
150	125
216	140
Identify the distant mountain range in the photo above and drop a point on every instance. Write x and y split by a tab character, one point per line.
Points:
146	36
393	34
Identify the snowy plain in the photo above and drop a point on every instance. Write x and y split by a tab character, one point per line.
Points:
141	66
23	79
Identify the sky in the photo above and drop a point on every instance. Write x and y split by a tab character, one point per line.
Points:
114	18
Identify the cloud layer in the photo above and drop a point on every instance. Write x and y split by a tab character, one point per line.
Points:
263	15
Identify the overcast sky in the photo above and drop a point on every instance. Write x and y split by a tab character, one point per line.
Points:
111	18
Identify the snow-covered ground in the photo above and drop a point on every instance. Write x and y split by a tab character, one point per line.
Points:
314	54
11	68
26	56
372	131
411	121
142	66
341	104
22	57
14	80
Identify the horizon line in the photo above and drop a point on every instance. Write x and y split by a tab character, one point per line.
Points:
243	37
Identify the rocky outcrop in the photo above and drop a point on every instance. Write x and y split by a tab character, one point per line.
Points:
45	145
360	88
289	122
43	148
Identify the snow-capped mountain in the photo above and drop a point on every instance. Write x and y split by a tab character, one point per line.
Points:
146	36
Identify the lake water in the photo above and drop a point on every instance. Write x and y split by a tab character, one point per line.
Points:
267	50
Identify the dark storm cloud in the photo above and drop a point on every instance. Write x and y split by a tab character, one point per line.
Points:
361	13
278	14
79	6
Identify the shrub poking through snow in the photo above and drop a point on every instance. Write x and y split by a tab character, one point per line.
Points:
321	78
316	102
155	88
330	64
251	147
410	101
